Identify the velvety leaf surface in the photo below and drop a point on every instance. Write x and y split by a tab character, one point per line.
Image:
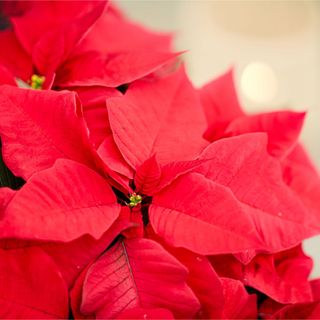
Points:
238	303
93	100
6	77
113	32
298	311
282	276
31	286
151	116
140	313
137	273
243	165
233	201
283	129
52	49
220	101
111	156
113	70
302	177
210	209
147	176
48	16
14	58
76	294
61	204
37	128
74	256
202	278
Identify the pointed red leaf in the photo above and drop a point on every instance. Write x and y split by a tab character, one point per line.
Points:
137	273
216	217
234	201
37	128
113	32
238	303
283	129
113	70
173	170
54	46
150	117
147	176
93	100
47	16
202	278
243	165
74	256
219	99
61	204
303	178
31	286
13	57
282	276
111	156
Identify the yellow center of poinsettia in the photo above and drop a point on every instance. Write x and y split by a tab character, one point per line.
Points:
37	81
134	199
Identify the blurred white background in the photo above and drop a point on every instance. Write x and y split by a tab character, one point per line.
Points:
273	45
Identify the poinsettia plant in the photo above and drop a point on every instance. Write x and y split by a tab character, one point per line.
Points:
127	193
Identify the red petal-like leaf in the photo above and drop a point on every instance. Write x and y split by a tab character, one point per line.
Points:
202	278
283	129
140	313
151	116
302	177
137	273
282	276
13	57
74	256
47	16
115	33
111	156
147	176
298	311
61	204
220	101
94	69
37	128
54	46
238	303
31	286
93	100
216	217
237	200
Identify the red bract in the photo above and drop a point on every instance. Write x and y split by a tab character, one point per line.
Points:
150	118
46	40
32	128
31	286
282	276
72	200
226	118
125	203
137	273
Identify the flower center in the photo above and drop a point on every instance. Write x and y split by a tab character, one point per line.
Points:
37	81
134	199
